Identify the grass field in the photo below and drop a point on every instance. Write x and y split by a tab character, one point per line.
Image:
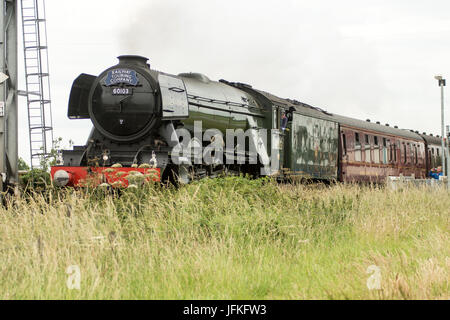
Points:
228	238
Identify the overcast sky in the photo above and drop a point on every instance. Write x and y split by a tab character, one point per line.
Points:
365	59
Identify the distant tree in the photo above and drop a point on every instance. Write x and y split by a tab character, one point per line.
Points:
52	158
23	165
39	179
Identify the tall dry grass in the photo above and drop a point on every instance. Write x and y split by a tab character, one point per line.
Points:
228	238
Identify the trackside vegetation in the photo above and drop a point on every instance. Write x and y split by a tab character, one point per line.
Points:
227	238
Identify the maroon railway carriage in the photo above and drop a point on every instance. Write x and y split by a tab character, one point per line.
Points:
371	152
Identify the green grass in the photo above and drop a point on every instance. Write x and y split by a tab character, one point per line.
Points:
228	238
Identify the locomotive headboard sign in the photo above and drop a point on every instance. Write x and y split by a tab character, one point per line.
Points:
175	104
122	76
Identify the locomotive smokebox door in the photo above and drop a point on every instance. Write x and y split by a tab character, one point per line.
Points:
174	98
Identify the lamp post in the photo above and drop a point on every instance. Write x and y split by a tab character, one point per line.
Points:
442	84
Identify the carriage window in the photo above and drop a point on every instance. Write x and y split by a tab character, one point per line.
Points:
376	152
395	153
344	142
358	152
405	154
416	154
275	119
367	139
386	153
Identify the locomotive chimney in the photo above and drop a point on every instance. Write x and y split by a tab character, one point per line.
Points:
134	60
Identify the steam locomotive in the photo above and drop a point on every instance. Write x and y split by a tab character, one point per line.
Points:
143	118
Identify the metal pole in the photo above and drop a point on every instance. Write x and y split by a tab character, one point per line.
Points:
447	153
441	84
444	150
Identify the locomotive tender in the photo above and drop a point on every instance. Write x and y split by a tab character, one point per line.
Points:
138	113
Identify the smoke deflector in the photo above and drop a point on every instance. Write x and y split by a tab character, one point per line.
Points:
174	98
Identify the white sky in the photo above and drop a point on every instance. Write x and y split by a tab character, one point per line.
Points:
368	59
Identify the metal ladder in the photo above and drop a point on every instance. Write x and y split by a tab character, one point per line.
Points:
37	81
